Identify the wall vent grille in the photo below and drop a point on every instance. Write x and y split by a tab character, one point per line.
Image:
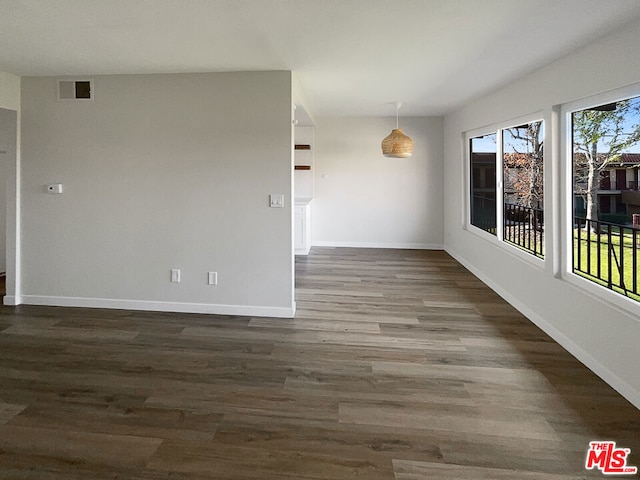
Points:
79	89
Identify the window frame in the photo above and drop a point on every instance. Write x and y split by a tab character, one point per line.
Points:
475	228
498	239
610	297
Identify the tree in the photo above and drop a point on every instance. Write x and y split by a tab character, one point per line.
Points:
523	163
613	128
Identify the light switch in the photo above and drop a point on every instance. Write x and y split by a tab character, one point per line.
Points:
175	275
276	201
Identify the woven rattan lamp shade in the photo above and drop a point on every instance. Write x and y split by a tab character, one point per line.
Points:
397	145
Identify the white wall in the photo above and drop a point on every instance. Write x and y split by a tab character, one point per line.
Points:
160	172
362	198
9	91
8	124
600	334
9	176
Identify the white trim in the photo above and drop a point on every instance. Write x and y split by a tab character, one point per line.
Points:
500	185
404	246
509	248
566	193
468	171
622	387
466	183
490	128
11	300
497	130
154	306
603	98
488	236
612	298
292	216
553	204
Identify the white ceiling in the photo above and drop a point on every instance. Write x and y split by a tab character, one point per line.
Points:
351	56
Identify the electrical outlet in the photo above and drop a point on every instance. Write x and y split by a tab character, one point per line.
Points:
213	278
175	275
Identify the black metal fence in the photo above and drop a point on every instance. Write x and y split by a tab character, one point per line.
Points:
483	213
524	228
608	254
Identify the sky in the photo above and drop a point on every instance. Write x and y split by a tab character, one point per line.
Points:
632	120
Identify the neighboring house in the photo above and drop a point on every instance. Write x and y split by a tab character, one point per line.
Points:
619	186
523	180
618	189
514	175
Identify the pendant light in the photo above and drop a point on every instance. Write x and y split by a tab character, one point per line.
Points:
397	144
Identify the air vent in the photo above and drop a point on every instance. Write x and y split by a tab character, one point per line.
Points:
75	89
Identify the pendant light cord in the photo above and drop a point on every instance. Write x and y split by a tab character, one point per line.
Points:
398	105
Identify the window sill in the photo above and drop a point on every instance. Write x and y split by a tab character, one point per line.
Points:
511	250
611	298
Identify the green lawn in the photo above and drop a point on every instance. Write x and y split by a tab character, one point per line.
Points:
603	251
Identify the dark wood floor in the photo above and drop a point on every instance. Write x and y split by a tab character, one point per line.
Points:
399	365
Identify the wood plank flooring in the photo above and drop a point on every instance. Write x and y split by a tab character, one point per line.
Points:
399	365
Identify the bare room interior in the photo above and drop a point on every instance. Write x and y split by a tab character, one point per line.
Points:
298	239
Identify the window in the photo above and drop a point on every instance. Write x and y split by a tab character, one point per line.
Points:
483	182
518	218
523	192
605	154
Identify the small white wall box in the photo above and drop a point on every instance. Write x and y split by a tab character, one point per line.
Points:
54	188
276	201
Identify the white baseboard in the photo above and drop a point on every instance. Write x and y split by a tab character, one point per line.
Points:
11	300
593	364
405	246
206	308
